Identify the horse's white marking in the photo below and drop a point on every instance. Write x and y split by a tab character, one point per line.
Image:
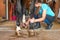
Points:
23	18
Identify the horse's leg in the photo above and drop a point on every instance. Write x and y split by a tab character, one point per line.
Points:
18	14
31	10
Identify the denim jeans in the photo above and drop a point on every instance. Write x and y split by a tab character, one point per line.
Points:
49	19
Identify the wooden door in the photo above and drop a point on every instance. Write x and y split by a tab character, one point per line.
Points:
2	8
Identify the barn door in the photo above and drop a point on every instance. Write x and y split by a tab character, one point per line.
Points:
2	9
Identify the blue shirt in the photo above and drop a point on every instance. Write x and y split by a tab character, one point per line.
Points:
47	8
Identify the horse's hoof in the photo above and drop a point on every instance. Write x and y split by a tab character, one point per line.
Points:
18	34
31	33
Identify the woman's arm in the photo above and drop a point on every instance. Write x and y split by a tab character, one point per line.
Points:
42	18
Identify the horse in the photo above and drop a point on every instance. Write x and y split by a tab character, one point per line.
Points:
21	7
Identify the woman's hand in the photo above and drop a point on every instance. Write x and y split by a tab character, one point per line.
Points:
32	20
27	23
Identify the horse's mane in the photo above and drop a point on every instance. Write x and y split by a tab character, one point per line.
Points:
27	3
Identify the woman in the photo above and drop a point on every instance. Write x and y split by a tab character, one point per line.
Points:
46	15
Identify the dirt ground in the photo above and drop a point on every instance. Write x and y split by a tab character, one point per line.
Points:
7	32
44	35
12	25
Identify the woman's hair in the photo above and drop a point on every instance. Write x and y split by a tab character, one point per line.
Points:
38	1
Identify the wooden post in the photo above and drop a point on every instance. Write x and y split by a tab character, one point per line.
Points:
56	8
7	9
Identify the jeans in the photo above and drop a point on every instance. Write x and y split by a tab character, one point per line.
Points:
49	19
